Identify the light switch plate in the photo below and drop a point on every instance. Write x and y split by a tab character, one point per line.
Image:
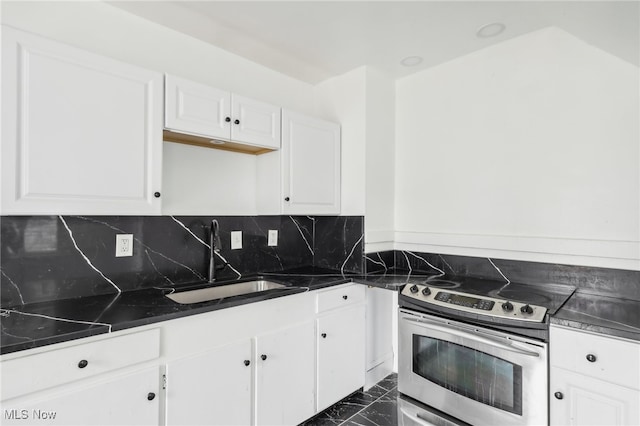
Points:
236	240
273	238
124	245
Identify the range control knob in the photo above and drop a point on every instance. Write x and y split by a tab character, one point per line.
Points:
507	306
526	309
413	289
426	291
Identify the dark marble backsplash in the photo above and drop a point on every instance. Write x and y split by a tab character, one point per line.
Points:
60	257
616	282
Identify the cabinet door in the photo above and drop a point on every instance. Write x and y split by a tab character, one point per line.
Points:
285	376
197	108
128	400
340	355
213	388
588	401
255	122
81	133
310	165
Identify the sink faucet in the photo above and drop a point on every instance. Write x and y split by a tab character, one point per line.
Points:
214	242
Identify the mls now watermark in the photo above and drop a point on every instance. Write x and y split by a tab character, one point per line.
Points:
33	414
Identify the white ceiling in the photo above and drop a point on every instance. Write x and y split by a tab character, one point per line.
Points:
315	40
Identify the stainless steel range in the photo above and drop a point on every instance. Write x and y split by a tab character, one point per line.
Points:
475	351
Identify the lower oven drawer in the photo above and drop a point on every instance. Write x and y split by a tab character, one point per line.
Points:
412	413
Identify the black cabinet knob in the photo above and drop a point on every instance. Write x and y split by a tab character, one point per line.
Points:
83	363
345	297
247	362
558	395
227	119
263	357
151	396
526	309
324	335
156	194
507	306
236	121
591	358
287	198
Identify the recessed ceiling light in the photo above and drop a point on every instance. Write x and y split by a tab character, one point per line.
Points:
411	61
490	30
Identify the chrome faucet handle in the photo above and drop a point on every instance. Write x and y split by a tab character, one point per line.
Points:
215	236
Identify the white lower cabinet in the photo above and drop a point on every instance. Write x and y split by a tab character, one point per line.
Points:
132	399
212	388
285	383
591	402
340	354
594	379
265	363
219	387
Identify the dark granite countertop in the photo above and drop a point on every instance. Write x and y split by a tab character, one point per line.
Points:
39	324
601	313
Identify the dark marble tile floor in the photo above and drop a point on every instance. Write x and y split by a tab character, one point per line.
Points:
375	407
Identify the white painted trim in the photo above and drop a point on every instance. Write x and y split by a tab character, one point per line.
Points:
376	247
379	235
378	240
598	253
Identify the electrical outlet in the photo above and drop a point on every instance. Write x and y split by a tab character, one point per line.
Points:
273	238
236	240
124	245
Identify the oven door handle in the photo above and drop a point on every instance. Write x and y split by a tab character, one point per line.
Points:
481	339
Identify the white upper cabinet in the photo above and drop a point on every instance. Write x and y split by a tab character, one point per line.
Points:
255	122
310	165
81	133
196	108
209	113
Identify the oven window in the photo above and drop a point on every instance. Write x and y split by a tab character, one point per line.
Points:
468	372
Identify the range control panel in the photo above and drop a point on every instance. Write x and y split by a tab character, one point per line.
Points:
481	305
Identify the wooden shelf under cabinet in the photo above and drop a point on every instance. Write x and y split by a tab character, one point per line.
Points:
170	136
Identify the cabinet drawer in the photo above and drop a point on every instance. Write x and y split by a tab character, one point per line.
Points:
337	297
606	358
32	373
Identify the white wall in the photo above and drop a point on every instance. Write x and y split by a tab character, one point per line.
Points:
343	99
195	180
363	101
380	164
527	150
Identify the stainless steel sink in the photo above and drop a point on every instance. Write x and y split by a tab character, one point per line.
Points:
221	291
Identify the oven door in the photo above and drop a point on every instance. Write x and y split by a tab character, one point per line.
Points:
480	376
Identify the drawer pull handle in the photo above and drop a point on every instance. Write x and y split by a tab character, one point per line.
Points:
151	396
345	297
263	357
591	358
247	362
324	335
83	363
558	395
